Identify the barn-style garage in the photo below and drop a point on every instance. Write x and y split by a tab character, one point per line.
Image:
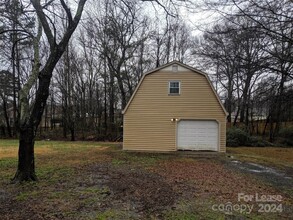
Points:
174	107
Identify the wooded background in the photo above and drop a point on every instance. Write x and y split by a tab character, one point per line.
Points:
245	47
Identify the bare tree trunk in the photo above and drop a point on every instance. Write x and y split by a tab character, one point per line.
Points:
229	100
236	117
14	85
245	100
3	130
26	160
64	122
8	126
26	163
122	91
105	106
72	132
111	103
158	52
266	124
279	103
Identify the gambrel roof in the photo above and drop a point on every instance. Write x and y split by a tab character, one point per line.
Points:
170	64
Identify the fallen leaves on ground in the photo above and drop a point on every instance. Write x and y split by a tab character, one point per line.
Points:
211	179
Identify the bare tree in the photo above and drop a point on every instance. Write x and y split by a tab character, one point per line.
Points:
275	20
15	30
31	114
221	50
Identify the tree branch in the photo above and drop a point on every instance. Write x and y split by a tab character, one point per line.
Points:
44	22
162	6
68	12
48	3
16	30
73	24
23	93
252	17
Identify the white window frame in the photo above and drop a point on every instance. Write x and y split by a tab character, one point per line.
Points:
169	87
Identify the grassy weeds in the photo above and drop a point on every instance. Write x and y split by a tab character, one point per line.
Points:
278	157
53	158
59	170
70	186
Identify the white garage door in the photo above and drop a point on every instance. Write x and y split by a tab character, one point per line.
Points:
197	135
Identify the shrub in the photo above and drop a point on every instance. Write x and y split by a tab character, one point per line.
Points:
286	136
237	137
257	142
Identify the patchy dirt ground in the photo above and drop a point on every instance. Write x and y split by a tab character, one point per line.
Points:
280	179
106	183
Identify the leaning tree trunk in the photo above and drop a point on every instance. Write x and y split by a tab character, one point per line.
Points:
28	128
30	120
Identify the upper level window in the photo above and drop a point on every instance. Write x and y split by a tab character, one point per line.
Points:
174	87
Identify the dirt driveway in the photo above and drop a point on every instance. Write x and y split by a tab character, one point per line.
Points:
280	179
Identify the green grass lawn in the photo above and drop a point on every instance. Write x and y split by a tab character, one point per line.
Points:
274	156
91	180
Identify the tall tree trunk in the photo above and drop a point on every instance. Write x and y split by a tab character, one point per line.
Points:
122	90
64	123
28	128
14	86
279	103
229	100
6	117
3	130
26	160
158	52
243	105
14	57
72	132
105	107
266	124
236	116
245	97
111	103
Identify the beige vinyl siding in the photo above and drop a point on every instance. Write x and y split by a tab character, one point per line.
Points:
147	121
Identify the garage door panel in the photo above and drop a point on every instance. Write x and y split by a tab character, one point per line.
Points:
197	135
